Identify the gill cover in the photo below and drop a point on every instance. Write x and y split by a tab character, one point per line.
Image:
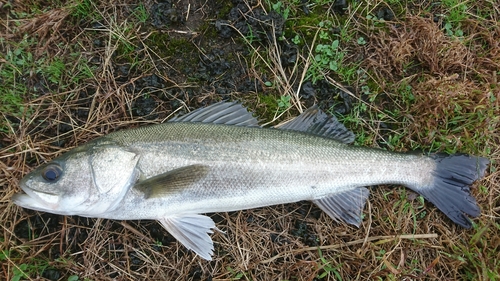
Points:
112	168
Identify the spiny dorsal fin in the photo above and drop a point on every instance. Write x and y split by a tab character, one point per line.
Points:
228	113
172	181
192	231
346	206
315	121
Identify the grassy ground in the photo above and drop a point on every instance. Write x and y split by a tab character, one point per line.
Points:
403	75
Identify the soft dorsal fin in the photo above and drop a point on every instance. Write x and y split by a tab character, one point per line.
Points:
315	121
346	206
228	113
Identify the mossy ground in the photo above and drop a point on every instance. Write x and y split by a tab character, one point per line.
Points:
403	75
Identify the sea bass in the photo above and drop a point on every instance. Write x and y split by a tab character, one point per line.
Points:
218	159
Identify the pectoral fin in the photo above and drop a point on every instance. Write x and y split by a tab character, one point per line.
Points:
172	181
192	231
346	206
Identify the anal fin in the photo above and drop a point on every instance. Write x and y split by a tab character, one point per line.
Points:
192	231
346	206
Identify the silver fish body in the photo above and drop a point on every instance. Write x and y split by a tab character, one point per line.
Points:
217	159
253	167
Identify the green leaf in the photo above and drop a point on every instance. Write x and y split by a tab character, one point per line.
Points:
334	65
335	44
4	254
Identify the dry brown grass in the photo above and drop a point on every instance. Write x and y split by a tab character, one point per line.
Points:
453	80
285	242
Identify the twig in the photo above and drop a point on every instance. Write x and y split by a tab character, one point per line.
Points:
382	239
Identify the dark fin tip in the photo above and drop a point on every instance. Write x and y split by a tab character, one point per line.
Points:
454	175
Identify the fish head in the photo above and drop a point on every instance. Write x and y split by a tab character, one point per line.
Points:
87	181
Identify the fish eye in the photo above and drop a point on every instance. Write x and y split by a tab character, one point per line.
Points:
52	173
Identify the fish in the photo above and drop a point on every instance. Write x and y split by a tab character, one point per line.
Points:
218	159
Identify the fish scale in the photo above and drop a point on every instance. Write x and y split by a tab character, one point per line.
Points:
269	162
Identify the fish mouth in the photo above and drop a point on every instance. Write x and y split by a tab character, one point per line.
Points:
34	199
24	200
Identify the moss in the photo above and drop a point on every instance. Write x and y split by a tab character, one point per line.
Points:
224	7
208	30
165	45
177	51
180	46
310	20
158	42
269	99
302	26
307	26
124	53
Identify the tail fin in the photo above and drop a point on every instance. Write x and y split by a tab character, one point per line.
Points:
450	192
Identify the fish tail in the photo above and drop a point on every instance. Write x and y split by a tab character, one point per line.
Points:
450	191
